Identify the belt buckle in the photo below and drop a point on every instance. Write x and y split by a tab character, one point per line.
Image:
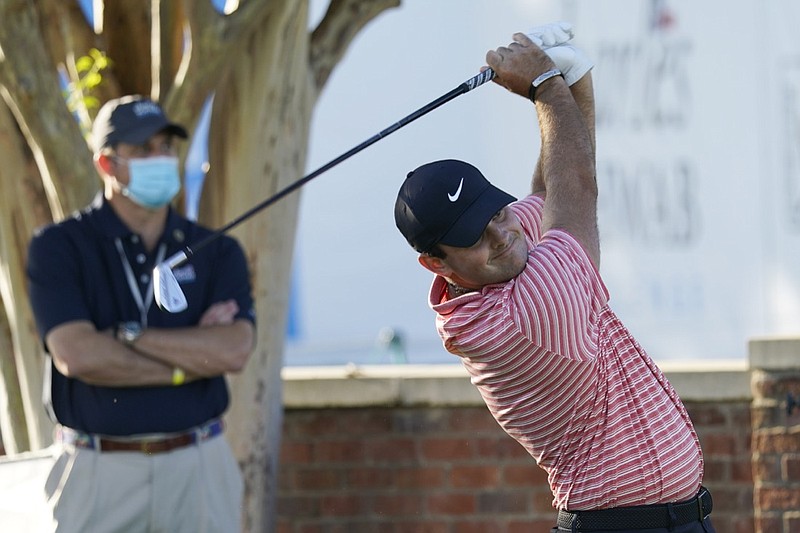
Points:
148	447
151	447
76	438
203	433
208	430
700	506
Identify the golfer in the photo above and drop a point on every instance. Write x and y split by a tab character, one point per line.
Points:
519	298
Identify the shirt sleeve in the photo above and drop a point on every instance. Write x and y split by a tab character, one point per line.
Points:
529	211
558	298
232	279
55	281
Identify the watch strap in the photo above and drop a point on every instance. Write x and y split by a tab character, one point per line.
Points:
540	79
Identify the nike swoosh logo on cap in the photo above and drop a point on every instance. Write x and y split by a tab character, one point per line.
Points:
454	197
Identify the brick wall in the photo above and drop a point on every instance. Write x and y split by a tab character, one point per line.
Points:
450	468
407	469
724	431
776	435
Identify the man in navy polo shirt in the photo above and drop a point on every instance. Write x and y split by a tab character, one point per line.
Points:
137	392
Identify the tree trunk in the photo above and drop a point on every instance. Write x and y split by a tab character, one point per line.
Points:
23	204
269	89
265	70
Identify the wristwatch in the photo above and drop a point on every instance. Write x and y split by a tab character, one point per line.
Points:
128	332
552	73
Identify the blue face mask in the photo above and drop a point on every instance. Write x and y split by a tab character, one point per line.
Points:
154	181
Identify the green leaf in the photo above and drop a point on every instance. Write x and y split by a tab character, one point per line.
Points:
91	102
84	63
92	80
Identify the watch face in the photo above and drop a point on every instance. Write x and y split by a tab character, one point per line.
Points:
130	331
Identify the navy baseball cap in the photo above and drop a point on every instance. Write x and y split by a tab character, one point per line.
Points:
131	119
446	202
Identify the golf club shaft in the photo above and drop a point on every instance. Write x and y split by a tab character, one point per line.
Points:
472	83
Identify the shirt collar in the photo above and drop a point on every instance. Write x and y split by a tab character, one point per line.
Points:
109	224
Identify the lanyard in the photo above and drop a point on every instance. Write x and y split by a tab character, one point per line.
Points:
142	303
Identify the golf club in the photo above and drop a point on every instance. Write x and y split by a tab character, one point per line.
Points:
168	294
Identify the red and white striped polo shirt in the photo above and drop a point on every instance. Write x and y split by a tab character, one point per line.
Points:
564	377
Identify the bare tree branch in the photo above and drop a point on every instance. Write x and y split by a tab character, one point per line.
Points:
332	37
23	207
201	59
69	36
32	91
65	30
173	41
12	425
127	32
215	39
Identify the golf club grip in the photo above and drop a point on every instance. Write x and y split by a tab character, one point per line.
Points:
472	83
479	79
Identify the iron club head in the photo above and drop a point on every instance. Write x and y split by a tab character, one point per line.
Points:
168	293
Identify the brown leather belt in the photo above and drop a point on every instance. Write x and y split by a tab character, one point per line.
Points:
148	445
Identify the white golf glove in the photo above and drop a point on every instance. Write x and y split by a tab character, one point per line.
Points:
549	35
553	38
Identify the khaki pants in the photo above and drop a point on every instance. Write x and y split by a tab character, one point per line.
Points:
195	489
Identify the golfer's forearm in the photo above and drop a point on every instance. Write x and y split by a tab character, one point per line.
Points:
583	93
567	156
568	168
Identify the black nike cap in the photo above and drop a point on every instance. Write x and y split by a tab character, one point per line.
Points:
446	202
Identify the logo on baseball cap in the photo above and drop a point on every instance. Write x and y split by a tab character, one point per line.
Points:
131	119
448	202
